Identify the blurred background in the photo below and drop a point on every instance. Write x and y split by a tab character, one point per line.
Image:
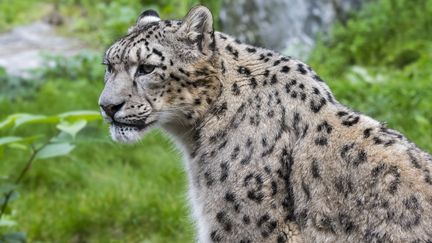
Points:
61	177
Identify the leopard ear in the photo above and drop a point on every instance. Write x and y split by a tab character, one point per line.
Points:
147	16
144	18
197	27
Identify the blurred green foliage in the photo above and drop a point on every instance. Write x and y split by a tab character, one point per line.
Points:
15	12
386	33
80	67
379	63
13	86
96	24
39	147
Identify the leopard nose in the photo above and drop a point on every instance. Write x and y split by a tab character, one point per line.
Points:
112	109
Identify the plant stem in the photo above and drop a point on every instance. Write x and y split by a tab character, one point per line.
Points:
28	164
19	178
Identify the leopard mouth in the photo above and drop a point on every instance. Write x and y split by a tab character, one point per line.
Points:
127	132
138	127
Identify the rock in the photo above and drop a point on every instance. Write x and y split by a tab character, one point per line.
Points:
21	48
289	26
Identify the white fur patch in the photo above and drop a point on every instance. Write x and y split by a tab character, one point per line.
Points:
148	19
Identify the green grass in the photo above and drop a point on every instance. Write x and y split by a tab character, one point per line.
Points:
107	193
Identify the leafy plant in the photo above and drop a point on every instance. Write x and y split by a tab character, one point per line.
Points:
379	63
13	13
84	65
14	86
385	33
40	147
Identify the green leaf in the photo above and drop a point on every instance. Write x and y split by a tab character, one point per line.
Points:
54	150
22	119
62	137
19	119
9	121
18	146
26	118
11	139
18	142
81	115
72	128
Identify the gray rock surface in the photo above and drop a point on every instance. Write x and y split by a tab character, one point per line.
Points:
289	26
21	48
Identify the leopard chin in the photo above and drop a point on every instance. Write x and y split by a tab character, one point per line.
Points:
128	134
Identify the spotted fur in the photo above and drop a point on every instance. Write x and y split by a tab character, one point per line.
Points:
271	155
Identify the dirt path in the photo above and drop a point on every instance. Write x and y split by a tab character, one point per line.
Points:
21	48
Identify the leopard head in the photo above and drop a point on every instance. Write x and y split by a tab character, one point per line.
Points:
162	73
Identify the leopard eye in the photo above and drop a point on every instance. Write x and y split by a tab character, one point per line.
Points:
109	68
144	69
